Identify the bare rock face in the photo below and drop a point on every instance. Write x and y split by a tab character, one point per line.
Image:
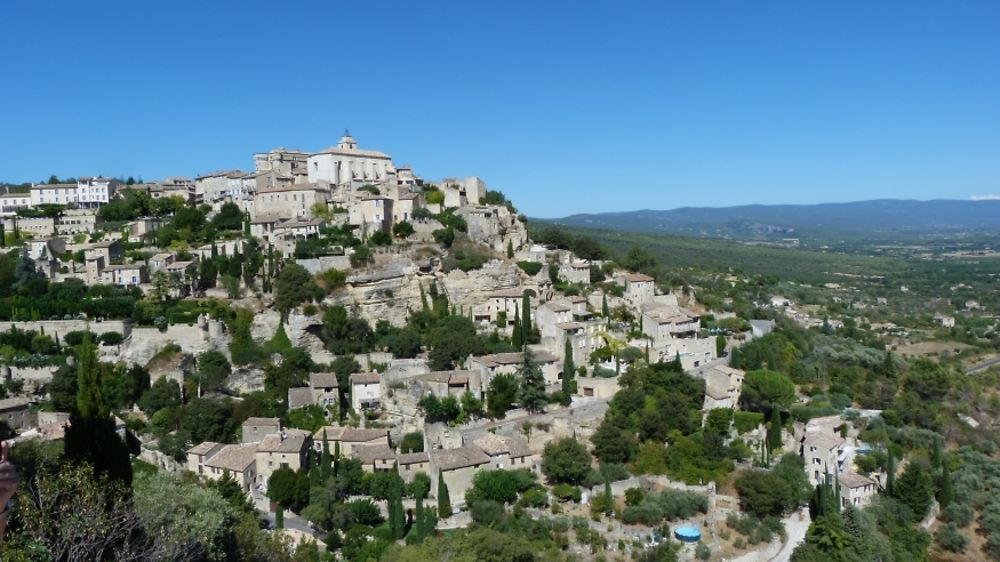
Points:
494	226
265	323
468	289
385	293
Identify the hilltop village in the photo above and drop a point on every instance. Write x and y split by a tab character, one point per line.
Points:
364	360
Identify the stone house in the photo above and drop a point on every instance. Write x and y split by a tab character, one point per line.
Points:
723	386
109	250
366	391
600	388
446	383
160	261
411	463
505	301
286	449
11	202
298	229
290	201
824	456
237	461
404	205
254	430
125	275
372	213
349	438
670	322
856	490
197	455
508	453
325	388
15	412
457	467
463	192
639	289
577	272
489	366
299	397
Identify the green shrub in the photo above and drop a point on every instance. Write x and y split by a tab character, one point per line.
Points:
566	492
530	267
746	422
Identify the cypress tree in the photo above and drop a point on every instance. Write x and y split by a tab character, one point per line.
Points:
526	317
510	249
517	338
569	374
423	298
91	436
397	516
336	458
604	308
946	495
3	237
444	500
279	518
324	459
774	430
890	472
609	498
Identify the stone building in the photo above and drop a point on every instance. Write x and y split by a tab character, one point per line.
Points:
290	201
254	430
669	322
347	165
15	412
366	391
286	449
349	438
639	288
283	162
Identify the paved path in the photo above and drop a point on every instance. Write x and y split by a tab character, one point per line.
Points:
796	526
982	366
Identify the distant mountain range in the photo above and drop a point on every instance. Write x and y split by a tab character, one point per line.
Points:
882	218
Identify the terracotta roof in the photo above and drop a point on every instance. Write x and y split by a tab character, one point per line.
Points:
234	457
514	358
364	378
288	441
462	457
511	293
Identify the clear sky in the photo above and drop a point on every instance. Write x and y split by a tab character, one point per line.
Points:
567	107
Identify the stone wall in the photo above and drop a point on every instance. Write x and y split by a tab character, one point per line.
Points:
62	327
316	265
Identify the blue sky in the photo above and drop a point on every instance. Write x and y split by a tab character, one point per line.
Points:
565	106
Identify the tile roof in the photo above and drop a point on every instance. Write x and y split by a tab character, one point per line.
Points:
234	457
364	378
462	457
262	422
637	278
413	458
370	453
9	403
350	434
323	380
288	441
299	397
203	448
852	480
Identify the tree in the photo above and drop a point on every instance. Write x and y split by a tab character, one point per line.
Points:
289	488
529	327
444	500
532	394
613	444
565	460
397	517
501	395
569	374
412	443
91	436
294	286
946	494
510	249
774	492
774	431
764	390
720	345
915	489
517	336
402	229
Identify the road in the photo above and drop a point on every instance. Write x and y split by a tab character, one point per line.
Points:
796	526
982	366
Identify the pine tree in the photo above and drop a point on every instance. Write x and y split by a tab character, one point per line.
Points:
532	392
517	338
444	500
569	374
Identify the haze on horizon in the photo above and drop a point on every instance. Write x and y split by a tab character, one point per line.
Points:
566	107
